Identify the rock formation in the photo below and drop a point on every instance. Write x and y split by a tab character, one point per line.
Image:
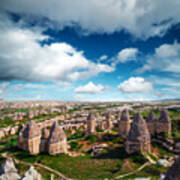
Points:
151	123
124	124
91	126
29	138
164	123
161	125
109	124
44	140
31	174
8	170
57	140
33	140
173	172
138	137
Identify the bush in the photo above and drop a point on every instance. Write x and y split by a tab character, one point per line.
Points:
74	145
163	134
92	138
138	158
119	165
76	135
99	129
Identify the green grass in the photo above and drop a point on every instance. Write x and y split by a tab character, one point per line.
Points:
76	135
7	122
91	138
106	165
78	167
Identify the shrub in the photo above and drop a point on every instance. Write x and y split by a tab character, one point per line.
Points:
92	138
138	158
119	165
77	135
74	145
99	129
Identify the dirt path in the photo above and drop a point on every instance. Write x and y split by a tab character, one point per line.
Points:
52	170
62	176
133	172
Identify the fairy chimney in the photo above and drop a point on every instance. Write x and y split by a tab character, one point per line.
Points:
138	137
151	123
163	124
124	124
44	140
173	172
30	137
109	124
91	127
57	140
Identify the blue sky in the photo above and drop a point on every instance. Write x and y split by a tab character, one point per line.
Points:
90	51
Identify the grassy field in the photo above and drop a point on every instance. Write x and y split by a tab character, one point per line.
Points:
108	165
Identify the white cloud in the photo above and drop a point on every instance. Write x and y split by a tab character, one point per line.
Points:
90	88
135	85
127	54
22	57
103	57
3	87
173	82
139	17
165	58
167	50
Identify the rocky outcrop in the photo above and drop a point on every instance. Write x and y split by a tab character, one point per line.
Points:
138	137
173	172
8	170
98	149
31	174
124	124
8	131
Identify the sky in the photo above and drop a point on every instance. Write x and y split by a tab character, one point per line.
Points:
93	50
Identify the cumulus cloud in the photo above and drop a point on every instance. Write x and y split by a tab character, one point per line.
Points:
23	57
90	88
127	54
141	18
135	85
165	58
